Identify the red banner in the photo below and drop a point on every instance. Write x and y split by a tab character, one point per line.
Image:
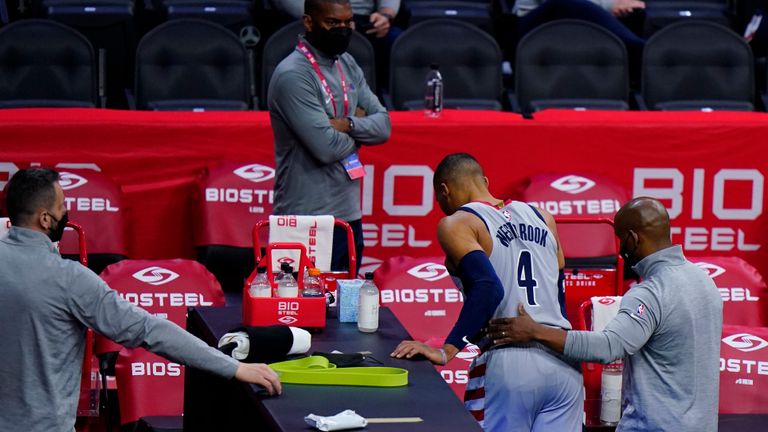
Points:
708	168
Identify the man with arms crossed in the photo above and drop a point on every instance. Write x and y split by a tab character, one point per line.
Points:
46	305
322	111
528	387
667	330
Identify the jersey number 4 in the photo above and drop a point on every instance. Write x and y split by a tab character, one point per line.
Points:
525	277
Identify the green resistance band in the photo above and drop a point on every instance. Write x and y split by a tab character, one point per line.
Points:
318	370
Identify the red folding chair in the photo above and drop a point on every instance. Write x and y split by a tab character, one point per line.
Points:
97	204
149	386
743	289
88	403
599	272
164	288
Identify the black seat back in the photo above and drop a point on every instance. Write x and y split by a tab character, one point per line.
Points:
191	63
570	63
469	61
697	61
46	64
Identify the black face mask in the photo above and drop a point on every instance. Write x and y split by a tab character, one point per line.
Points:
331	42
628	256
56	233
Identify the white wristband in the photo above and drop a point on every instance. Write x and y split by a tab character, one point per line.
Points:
444	357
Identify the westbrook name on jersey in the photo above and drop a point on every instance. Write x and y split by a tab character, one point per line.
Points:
525	259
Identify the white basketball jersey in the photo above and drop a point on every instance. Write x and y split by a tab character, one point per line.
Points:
525	259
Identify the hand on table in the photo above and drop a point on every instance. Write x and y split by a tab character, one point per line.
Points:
408	349
261	374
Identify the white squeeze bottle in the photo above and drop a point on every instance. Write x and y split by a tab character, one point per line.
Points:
368	306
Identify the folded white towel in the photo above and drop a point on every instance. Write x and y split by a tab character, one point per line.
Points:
314	232
604	309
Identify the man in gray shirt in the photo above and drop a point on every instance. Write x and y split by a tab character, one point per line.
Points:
46	305
322	111
667	330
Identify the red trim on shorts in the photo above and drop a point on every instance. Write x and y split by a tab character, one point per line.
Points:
478	371
478	393
479	415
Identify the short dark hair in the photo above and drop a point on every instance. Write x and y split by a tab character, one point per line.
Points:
313	6
28	190
455	165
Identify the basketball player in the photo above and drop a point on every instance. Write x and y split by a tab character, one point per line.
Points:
505	253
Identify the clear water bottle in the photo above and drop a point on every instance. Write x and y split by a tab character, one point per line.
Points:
287	286
313	287
368	306
610	393
260	286
283	268
433	95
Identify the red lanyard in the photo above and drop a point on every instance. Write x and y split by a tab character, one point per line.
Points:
326	87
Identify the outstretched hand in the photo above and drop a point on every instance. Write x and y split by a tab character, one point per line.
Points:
261	374
512	330
408	349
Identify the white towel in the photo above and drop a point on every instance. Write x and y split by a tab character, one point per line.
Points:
604	309
315	232
346	419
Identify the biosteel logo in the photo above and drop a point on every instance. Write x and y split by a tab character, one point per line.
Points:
255	173
69	181
155	275
745	342
285	260
573	184
429	271
712	270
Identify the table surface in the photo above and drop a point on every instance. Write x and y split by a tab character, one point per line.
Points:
426	395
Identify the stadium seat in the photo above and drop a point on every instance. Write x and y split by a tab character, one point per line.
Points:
192	65
225	218
149	385
283	42
110	26
97	203
660	13
571	64
744	292
236	15
46	64
477	12
697	65
469	61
